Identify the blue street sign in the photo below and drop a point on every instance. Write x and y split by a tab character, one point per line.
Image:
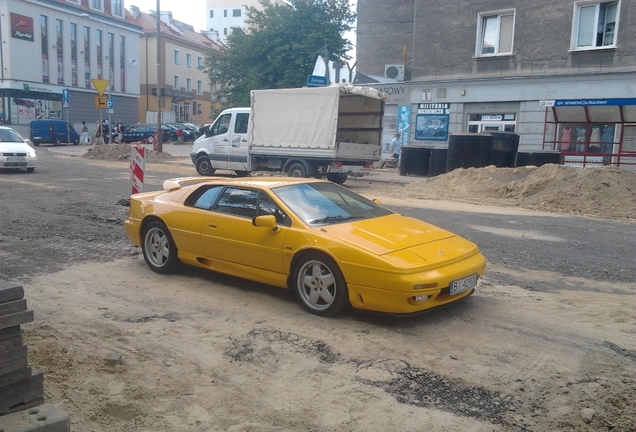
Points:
65	98
317	81
109	104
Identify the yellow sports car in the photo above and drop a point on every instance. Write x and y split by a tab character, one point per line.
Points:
332	247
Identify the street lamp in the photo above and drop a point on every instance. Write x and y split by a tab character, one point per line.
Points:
110	73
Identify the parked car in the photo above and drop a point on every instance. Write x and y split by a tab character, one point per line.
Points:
185	131
53	132
145	133
331	246
15	152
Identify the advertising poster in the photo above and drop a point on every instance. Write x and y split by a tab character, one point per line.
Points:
431	122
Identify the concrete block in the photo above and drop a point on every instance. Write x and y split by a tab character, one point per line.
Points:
16	319
12	307
42	418
10	291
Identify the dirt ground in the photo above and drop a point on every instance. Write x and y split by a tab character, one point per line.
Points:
204	352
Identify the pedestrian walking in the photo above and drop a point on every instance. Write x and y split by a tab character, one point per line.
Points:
84	133
99	139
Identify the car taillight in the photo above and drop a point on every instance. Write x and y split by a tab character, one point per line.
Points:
368	164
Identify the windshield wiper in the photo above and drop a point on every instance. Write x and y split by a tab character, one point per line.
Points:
334	219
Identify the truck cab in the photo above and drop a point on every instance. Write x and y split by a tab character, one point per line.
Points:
224	144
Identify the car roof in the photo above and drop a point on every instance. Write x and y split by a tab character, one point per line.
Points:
259	182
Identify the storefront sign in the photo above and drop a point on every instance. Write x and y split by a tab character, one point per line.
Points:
587	102
21	27
396	93
433	108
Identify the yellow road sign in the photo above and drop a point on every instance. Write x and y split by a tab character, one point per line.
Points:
101	101
100	85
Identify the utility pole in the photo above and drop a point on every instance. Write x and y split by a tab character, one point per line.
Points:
159	101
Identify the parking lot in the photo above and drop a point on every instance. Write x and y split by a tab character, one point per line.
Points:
546	342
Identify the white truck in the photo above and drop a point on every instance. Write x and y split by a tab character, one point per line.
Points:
333	131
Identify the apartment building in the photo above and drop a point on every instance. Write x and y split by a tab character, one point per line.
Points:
561	74
185	89
52	50
224	15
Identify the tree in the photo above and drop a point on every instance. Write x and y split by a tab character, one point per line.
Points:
279	47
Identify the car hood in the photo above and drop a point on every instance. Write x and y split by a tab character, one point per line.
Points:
402	240
14	147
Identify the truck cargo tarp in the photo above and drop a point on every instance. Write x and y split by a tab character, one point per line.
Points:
286	116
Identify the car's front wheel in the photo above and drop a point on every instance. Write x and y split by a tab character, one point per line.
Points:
203	166
57	142
158	248
320	286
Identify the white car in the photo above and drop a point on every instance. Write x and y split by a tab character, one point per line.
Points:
15	153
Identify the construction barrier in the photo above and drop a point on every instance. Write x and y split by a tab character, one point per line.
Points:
137	167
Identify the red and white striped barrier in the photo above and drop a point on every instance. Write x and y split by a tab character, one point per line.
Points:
137	167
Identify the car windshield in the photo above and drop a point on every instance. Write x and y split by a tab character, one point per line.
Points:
327	203
9	135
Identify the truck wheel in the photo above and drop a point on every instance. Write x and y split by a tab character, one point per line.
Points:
337	178
204	167
297	170
242	173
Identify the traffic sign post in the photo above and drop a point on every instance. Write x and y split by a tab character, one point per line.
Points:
66	105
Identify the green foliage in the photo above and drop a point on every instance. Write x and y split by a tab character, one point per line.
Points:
280	47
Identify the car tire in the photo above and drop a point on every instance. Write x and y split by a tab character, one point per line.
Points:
337	178
30	170
57	142
242	173
76	141
36	143
204	167
297	170
150	139
159	250
320	285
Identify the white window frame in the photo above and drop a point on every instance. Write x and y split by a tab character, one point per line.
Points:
199	87
176	82
576	24
189	60
200	63
97	5
481	18
176	57
188	84
117	7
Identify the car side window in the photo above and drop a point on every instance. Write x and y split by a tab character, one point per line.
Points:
267	206
238	202
221	126
204	198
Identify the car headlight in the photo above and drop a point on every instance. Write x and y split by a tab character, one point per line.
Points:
31	153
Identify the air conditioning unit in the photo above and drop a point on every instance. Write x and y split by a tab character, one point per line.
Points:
395	71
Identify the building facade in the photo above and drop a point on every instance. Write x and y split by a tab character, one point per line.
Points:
52	50
560	74
186	94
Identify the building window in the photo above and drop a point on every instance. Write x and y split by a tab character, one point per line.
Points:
188	60
211	14
199	62
118	7
175	82
100	54
188	84
111	60
199	87
175	57
225	13
97	5
87	57
225	31
236	13
44	42
122	62
595	25
74	81
495	33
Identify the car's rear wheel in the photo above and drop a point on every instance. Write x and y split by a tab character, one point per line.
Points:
297	170
36	143
320	286
158	248
57	142
150	139
337	178
203	166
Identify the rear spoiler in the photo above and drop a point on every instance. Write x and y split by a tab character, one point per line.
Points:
177	183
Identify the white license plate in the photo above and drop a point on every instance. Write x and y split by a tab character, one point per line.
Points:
15	159
464	284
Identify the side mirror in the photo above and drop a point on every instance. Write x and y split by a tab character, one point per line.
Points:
266	221
377	201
